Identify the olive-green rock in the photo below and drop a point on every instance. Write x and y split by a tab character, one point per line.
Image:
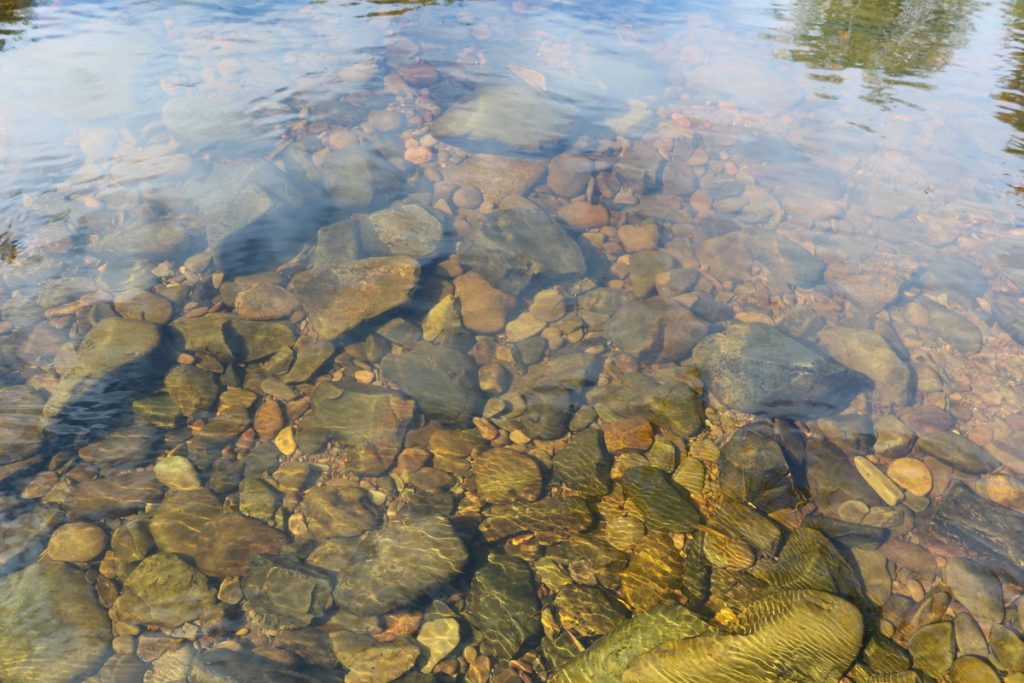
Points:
671	405
798	636
52	630
339	299
440	379
655	570
285	593
165	591
338	511
973	670
753	468
113	496
589	610
550	519
506	476
356	416
658	329
583	466
398	564
607	660
665	505
179	518
504	606
224	665
933	647
192	389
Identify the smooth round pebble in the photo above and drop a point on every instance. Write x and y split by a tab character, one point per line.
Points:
912	475
76	542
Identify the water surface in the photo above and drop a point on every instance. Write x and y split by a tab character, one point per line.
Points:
505	341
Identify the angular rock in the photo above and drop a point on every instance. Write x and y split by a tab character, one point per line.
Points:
583	466
866	352
338	511
286	594
359	177
116	359
408	230
753	468
757	369
399	564
658	329
440	379
339	299
362	417
193	390
990	530
165	591
51	628
516	116
512	246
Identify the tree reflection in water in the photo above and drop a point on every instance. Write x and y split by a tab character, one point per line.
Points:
14	15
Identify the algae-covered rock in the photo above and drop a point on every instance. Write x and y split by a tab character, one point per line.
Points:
356	416
506	476
798	636
550	519
52	630
665	505
505	610
583	466
285	593
398	564
165	591
338	511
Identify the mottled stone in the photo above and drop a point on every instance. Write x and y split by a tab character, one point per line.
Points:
496	177
192	389
484	308
284	593
589	610
114	496
550	519
338	511
363	417
665	505
784	263
163	591
514	115
753	468
506	476
657	328
265	301
230	541
408	230
177	521
504	606
866	352
583	466
51	628
757	369
512	246
339	299
359	177
672	405
380	576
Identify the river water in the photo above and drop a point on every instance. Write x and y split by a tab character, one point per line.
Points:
499	341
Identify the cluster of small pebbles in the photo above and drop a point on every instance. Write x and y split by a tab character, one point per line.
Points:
578	408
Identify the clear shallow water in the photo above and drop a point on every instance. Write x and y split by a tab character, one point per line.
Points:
376	332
